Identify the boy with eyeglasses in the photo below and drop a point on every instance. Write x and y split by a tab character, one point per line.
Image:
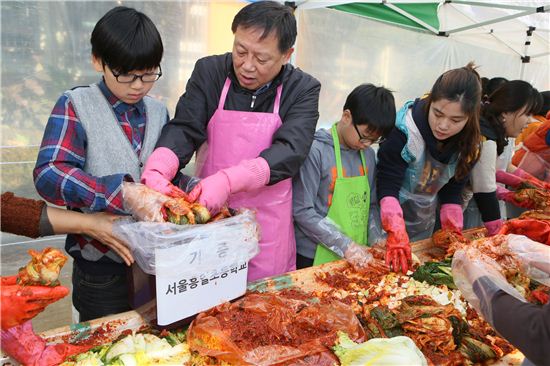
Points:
334	191
97	138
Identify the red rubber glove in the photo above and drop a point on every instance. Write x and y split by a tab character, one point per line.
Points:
508	178
213	191
451	217
22	303
160	169
22	344
398	249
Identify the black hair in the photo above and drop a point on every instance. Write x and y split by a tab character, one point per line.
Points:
126	39
462	85
545	104
512	96
484	82
373	106
492	85
270	16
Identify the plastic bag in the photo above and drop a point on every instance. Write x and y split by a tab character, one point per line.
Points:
143	202
207	247
537	164
470	265
265	329
534	257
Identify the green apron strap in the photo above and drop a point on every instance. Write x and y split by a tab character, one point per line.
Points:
337	156
363	161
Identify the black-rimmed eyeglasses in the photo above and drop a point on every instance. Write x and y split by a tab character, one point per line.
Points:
365	140
130	78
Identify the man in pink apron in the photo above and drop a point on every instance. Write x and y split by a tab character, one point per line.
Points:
251	117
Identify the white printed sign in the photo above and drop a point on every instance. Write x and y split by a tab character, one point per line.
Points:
182	295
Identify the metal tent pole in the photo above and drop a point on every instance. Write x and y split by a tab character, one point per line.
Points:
529	11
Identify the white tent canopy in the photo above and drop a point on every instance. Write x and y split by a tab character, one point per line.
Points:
342	49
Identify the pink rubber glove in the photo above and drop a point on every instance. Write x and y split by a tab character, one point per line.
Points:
509	196
504	194
398	249
531	179
246	176
493	227
160	169
23	345
508	179
451	217
518	177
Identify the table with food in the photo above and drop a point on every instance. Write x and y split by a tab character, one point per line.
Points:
332	314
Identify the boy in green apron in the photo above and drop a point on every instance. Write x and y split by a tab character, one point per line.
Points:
332	193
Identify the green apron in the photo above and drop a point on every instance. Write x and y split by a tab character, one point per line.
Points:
350	205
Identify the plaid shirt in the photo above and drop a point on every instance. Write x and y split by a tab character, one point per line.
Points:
59	176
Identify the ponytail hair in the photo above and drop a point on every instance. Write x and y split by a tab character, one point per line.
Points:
462	85
511	97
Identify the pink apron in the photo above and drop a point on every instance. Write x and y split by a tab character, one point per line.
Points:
234	136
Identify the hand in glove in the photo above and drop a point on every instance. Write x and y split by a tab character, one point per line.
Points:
470	265
452	218
519	178
398	249
493	227
160	169
22	303
533	256
358	256
510	196
213	191
144	203
22	344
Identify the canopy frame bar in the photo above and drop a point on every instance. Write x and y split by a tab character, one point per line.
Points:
540	54
532	10
490	5
492	33
410	16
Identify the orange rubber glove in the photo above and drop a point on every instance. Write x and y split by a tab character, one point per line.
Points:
22	344
22	303
398	248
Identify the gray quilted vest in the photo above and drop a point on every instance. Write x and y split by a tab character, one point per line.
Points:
109	151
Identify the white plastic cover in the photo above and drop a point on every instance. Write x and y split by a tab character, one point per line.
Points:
343	50
204	248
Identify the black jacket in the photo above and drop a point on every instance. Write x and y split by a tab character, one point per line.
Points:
299	111
525	325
